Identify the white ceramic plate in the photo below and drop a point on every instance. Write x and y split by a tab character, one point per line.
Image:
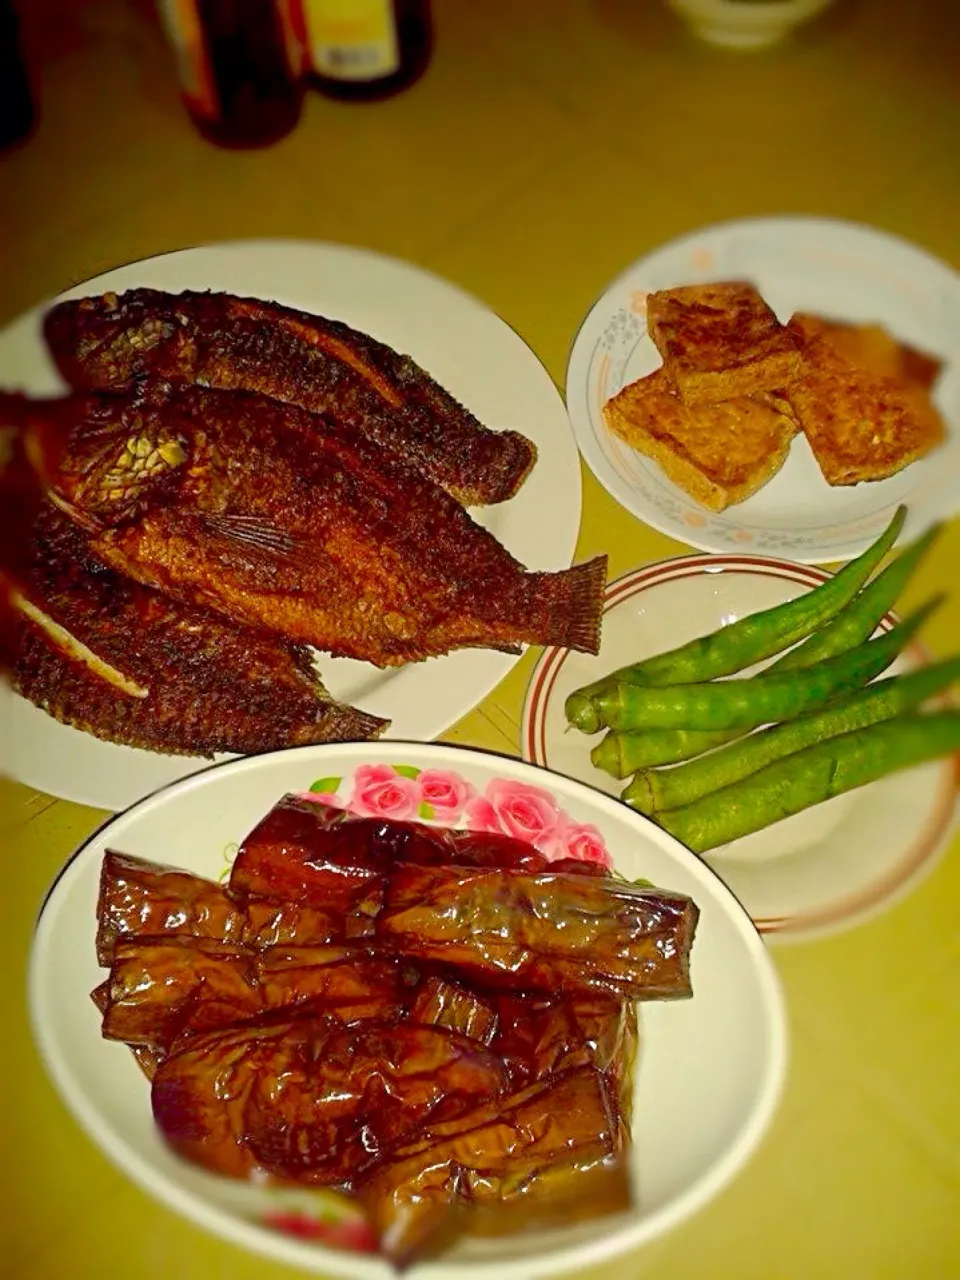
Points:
710	1068
467	348
835	268
821	870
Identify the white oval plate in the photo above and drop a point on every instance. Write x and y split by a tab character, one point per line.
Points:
465	346
710	1068
839	269
821	870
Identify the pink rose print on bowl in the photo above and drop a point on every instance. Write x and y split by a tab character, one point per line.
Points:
445	793
520	810
384	791
445	798
583	841
345	1234
516	809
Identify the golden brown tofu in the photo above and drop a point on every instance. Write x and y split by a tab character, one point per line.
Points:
861	425
869	347
720	341
720	454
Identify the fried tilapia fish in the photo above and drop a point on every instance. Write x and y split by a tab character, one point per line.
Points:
304	527
129	665
218	340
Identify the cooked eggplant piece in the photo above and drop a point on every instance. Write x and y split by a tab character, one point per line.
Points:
441	1003
139	898
540	1038
310	852
312	1101
553	1152
164	988
548	932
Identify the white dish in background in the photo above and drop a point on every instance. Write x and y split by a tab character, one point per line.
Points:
839	269
458	340
710	1068
746	24
824	869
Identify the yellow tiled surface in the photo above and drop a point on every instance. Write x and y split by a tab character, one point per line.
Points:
552	142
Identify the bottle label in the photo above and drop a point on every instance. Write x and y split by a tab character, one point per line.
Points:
352	39
185	33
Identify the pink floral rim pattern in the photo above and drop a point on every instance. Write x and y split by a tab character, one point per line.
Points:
445	798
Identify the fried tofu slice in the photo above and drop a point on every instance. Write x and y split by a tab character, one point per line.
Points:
870	347
861	425
720	341
719	454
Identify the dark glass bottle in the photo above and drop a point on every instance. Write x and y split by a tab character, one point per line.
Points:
17	114
365	50
237	75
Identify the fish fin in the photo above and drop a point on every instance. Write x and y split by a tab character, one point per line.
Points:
82	519
572	605
70	649
343	723
255	533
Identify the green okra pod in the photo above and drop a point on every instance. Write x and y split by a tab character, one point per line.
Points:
811	776
760	699
623	753
653	791
741	643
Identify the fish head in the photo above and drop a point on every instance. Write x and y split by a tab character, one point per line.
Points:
114	333
118	464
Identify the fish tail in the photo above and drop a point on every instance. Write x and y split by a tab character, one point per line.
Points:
567	607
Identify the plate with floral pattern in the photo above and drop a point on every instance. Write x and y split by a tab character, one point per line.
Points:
833	268
709	1072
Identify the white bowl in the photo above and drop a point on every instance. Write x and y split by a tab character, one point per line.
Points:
826	868
746	24
710	1069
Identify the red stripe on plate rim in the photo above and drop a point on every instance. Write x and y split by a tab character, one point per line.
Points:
922	849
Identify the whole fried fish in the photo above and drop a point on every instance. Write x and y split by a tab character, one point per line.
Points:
218	340
303	526
132	666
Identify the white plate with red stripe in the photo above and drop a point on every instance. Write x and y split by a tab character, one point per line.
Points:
833	865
